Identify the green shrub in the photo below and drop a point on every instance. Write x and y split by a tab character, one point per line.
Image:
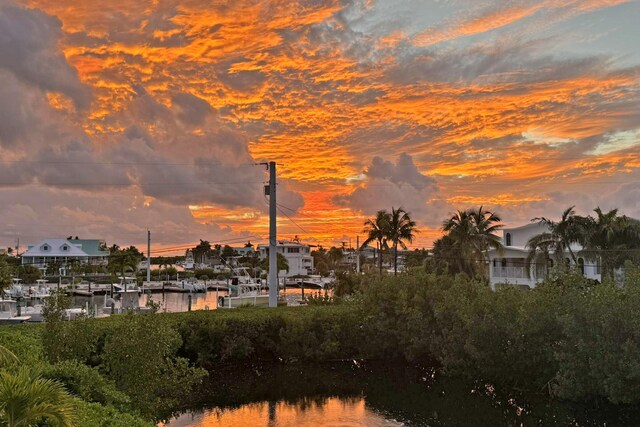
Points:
86	383
96	415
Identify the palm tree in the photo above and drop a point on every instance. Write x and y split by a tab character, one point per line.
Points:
471	234
26	401
460	231
556	240
335	257
486	225
401	229
610	238
376	230
6	356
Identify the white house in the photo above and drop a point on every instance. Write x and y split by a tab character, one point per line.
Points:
509	266
298	256
86	251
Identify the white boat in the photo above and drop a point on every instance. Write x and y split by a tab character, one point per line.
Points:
192	286
40	290
127	284
242	295
15	290
9	312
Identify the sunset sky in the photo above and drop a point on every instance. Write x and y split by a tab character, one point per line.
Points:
118	115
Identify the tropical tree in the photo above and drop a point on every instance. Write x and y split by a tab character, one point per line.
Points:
121	260
282	263
228	252
202	251
470	234
335	256
610	239
53	268
401	229
27	400
377	231
558	239
29	273
5	275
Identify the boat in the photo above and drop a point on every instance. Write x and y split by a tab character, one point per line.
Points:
192	285
126	284
244	290
15	290
40	290
243	295
9	313
310	282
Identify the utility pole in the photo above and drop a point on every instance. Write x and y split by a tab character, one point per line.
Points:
357	254
273	254
148	258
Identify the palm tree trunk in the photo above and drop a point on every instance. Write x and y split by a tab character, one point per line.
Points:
395	258
380	257
573	257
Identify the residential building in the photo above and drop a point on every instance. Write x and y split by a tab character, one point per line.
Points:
298	257
63	251
509	265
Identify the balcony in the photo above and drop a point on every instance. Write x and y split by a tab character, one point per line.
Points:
510	272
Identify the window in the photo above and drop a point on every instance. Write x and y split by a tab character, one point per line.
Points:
550	263
508	239
293	250
65	248
504	262
45	247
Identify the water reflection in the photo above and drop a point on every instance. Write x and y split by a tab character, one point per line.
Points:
326	412
354	394
175	302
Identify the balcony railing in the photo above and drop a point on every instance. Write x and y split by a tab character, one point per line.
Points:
510	272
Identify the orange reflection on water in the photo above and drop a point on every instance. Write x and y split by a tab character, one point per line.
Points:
312	413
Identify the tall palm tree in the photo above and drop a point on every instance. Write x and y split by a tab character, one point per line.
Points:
376	230
558	239
611	239
26	400
472	233
401	229
486	224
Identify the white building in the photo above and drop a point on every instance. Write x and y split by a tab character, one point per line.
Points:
298	256
509	266
85	251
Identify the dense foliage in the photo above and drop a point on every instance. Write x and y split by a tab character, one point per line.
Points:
570	337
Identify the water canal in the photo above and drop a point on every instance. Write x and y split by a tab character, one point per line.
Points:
355	394
172	302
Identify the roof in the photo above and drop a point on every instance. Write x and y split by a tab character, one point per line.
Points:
64	247
91	246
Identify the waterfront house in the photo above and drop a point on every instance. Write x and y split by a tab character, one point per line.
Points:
509	265
298	256
63	251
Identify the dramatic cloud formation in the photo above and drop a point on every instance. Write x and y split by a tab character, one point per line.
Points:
166	106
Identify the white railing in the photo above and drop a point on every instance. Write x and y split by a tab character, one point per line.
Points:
510	272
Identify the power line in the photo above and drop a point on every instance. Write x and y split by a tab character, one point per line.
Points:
89	163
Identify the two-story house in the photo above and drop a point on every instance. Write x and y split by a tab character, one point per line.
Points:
510	266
